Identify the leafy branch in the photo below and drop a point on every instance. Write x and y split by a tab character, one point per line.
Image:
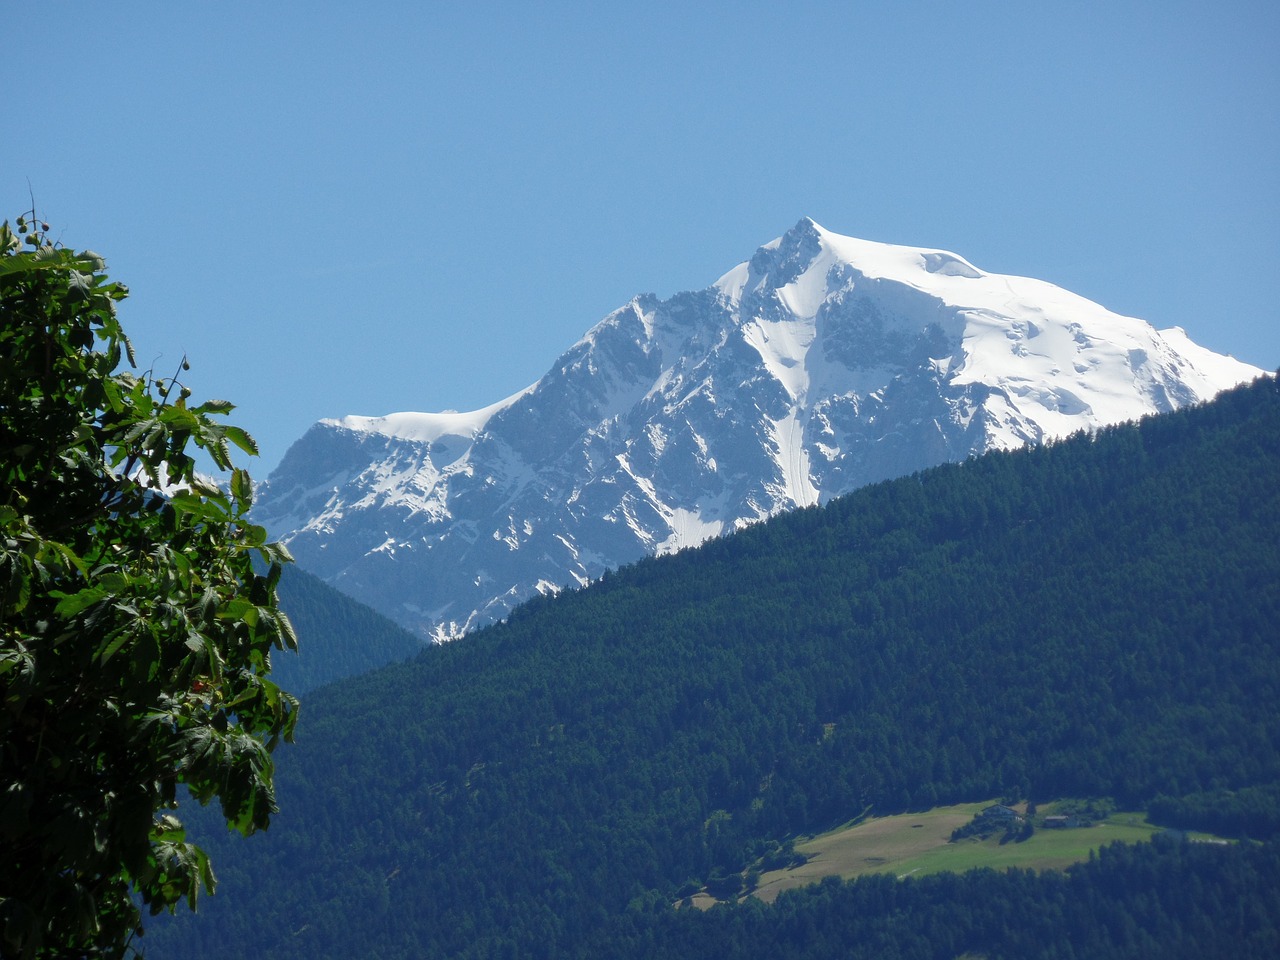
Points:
138	617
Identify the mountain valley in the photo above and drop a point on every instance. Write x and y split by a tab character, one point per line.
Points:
1088	618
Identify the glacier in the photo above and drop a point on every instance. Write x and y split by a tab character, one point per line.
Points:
821	364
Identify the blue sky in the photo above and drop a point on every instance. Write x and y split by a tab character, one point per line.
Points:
338	208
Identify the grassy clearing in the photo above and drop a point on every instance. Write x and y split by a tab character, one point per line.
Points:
914	844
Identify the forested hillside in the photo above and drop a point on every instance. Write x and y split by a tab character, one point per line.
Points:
1093	618
337	636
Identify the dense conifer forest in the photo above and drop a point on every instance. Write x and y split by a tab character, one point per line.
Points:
341	637
1092	618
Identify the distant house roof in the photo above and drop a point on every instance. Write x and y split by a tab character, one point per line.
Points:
999	810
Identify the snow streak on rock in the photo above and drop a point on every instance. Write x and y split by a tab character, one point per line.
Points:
821	364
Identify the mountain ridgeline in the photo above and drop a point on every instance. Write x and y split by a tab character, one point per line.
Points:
337	636
1092	617
821	364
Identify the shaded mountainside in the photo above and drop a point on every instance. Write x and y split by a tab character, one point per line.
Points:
1091	618
822	364
337	636
1164	899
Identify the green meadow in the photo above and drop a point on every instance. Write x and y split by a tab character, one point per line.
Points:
914	844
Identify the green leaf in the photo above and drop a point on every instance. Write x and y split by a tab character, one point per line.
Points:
205	486
114	582
169	829
178	417
76	603
240	609
109	649
214	406
288	636
51	549
31	262
241	488
276	553
115	608
253	535
242	440
205	508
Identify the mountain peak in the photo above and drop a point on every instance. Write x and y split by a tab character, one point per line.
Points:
806	227
782	260
821	364
811	251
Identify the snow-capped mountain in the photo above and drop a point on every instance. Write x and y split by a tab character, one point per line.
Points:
821	364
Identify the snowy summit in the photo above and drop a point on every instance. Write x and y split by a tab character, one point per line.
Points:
821	364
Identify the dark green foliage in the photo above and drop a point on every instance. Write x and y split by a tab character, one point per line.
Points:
337	636
1086	811
1248	812
1093	618
135	631
1165	899
1015	829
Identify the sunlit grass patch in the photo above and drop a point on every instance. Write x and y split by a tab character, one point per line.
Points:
915	844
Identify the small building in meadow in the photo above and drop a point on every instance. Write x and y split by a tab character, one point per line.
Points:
998	811
1062	822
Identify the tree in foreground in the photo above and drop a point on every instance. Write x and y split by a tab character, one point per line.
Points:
138	615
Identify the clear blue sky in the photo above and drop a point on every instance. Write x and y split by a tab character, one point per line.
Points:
340	208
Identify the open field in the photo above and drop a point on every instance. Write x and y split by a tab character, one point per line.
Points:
917	843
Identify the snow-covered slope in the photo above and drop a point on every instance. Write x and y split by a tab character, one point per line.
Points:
821	364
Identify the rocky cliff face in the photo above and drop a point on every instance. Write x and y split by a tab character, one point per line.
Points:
822	364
